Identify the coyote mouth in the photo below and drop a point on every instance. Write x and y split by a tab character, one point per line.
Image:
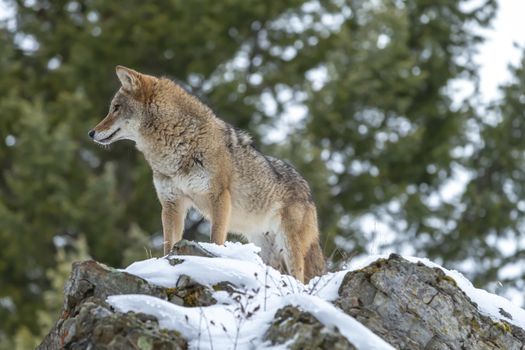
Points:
110	136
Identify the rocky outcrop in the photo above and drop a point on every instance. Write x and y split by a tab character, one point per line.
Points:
411	306
87	321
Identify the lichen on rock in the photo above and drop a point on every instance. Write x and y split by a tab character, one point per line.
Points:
413	306
87	321
300	330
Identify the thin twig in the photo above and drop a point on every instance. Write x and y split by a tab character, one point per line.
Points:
207	326
266	286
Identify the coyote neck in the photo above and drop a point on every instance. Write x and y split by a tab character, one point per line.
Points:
171	146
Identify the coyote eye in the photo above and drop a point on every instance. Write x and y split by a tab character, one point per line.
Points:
116	108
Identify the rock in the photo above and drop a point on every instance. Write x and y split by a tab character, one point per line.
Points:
300	330
95	325
412	306
185	247
192	293
92	279
88	321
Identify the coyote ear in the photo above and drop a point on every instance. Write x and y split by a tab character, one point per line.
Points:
129	78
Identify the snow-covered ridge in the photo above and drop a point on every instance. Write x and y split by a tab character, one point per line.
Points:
225	325
240	320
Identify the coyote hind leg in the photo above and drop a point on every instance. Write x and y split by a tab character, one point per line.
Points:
299	224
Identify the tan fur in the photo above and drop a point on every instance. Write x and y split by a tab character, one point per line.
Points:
200	161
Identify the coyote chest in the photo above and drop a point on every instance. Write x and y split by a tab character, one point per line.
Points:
191	186
195	187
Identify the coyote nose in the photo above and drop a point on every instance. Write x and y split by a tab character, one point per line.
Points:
91	133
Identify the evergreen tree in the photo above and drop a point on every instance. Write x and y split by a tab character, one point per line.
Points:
384	121
46	193
490	224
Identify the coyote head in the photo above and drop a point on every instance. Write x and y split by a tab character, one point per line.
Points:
127	110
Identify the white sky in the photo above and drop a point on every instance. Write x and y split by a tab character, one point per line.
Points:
498	51
3	10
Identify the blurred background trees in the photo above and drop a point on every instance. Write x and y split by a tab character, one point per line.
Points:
356	94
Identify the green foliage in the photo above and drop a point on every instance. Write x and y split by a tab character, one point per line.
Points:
58	276
375	130
385	118
48	191
494	198
140	246
52	298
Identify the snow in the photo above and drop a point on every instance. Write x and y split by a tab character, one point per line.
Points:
234	250
330	316
190	321
239	320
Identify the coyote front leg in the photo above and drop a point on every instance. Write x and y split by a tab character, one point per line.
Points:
220	216
173	215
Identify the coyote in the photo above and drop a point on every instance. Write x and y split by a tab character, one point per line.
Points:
200	161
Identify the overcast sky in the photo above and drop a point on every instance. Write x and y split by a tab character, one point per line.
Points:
498	51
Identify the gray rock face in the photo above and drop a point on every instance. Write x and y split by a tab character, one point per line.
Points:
88	322
300	330
412	306
185	247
